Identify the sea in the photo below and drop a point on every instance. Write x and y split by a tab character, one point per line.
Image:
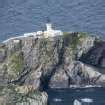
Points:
77	96
22	16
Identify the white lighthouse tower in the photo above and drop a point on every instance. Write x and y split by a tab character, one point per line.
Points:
49	26
50	32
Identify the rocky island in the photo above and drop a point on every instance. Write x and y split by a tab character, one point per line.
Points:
30	65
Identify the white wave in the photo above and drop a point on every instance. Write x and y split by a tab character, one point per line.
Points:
82	101
87	100
85	86
57	99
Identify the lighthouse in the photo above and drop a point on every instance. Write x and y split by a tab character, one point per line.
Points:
48	26
50	32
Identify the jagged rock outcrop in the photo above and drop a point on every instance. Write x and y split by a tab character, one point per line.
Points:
39	62
96	55
77	68
82	74
57	62
23	95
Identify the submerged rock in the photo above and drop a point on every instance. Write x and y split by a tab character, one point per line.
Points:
84	101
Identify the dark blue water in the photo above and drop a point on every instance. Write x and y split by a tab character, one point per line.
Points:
19	16
68	96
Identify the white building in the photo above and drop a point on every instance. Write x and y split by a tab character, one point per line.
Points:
16	41
50	32
30	34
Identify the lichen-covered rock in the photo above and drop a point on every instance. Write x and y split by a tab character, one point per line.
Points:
75	45
24	95
52	62
82	74
34	78
77	73
60	79
39	62
15	65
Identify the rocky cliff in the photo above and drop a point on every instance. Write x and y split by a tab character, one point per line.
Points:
59	62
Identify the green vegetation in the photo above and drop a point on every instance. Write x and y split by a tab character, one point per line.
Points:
15	64
11	96
78	39
74	43
72	40
66	34
34	95
83	34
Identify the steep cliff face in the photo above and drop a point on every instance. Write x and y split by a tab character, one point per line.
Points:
62	61
46	62
96	55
